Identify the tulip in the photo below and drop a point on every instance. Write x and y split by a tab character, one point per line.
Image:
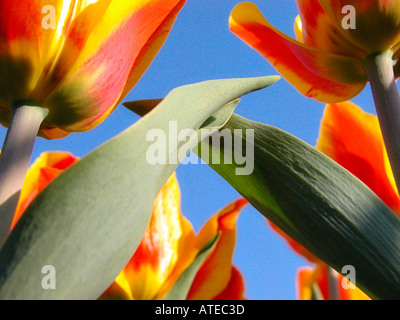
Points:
170	245
326	61
65	66
81	67
333	57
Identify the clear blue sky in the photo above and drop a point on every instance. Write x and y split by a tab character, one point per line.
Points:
201	47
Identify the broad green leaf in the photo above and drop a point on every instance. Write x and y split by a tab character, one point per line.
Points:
89	221
182	286
315	201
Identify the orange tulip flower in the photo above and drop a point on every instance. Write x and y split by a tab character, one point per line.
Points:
170	245
327	60
78	59
353	139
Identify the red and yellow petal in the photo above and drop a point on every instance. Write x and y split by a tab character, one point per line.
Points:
322	75
153	44
215	273
82	18
127	36
353	139
25	46
320	32
235	288
159	251
44	170
377	22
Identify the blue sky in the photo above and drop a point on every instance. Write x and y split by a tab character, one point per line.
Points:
201	47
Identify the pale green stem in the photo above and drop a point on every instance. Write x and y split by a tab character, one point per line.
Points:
333	285
15	157
387	104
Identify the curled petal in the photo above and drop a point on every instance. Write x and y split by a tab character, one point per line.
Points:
322	75
353	139
215	273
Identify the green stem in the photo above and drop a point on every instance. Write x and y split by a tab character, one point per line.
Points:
15	157
387	104
332	284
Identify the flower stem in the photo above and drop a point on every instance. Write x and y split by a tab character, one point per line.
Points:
332	284
387	104
15	157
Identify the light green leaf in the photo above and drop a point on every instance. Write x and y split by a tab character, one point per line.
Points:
89	221
316	202
182	286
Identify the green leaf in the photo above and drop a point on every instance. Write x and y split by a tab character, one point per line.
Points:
89	221
182	286
316	202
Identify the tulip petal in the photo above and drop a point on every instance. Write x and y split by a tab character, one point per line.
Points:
44	170
105	68
353	139
324	76
235	288
161	247
377	22
321	33
214	275
53	133
26	44
304	283
151	48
